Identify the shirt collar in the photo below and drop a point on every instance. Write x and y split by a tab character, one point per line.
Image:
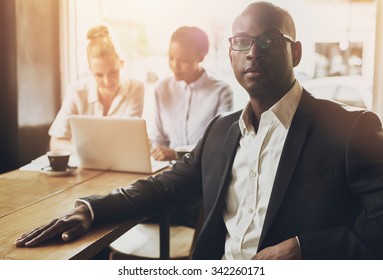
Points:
92	95
122	92
283	110
200	82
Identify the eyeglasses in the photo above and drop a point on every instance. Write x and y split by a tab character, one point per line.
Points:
264	41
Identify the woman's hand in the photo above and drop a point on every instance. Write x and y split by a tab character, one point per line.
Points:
163	153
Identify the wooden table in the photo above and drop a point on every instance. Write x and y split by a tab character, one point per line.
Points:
29	199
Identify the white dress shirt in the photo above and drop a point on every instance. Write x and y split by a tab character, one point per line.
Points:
82	99
183	111
253	174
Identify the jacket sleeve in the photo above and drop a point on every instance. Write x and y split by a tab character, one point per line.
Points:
177	188
364	167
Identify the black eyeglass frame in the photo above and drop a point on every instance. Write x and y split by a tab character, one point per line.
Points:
256	39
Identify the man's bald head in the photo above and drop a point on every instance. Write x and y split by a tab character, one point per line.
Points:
270	12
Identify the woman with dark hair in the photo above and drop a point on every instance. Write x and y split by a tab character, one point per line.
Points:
187	101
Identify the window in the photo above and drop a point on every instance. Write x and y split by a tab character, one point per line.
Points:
144	28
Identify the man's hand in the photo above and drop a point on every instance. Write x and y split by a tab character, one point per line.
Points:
75	223
163	153
286	250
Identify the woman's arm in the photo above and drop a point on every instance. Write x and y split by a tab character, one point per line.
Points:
62	144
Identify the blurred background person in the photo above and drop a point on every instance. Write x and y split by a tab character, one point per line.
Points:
106	93
187	101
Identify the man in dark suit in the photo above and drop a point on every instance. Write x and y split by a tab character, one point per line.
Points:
289	177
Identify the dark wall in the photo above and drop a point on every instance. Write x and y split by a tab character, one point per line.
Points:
8	87
30	78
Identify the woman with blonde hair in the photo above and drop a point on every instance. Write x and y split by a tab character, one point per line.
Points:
106	93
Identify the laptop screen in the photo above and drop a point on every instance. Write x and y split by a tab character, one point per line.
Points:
109	143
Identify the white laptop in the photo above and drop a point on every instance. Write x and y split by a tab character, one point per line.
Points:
119	144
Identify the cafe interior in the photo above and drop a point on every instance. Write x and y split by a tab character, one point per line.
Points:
42	51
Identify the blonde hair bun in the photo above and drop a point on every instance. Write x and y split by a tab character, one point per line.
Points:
102	42
97	32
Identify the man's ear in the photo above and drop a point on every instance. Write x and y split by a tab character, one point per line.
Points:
230	55
201	56
296	49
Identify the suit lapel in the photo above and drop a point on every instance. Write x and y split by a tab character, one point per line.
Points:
231	145
214	227
293	145
230	149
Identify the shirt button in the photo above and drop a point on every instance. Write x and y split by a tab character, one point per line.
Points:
253	173
237	239
250	210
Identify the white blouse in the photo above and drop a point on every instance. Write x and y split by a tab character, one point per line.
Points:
183	111
82	99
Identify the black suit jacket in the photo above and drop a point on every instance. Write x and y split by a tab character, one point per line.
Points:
328	189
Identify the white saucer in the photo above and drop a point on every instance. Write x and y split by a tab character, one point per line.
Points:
48	170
